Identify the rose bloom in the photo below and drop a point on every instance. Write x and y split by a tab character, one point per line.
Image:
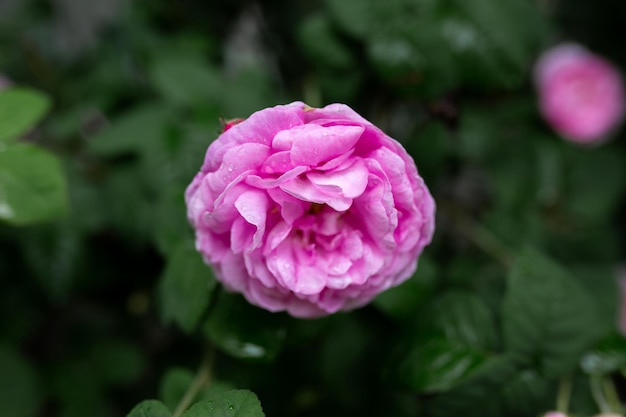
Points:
580	94
308	210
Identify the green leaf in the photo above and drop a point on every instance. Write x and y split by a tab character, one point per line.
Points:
439	364
20	110
548	318
235	403
599	281
244	331
150	408
32	185
479	394
463	317
403	301
497	388
19	387
453	342
185	287
138	130
528	393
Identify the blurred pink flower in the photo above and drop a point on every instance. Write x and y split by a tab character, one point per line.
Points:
580	94
554	414
309	210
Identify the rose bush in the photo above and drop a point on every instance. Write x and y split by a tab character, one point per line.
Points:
309	210
580	94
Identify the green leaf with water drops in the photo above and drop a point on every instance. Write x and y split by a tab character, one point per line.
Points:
20	110
245	331
150	408
235	403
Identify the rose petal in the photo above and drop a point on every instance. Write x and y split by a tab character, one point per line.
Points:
313	145
336	111
267	183
253	205
352	180
240	235
310	279
291	208
305	190
279	162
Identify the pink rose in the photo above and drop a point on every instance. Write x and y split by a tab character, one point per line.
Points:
555	414
580	94
309	210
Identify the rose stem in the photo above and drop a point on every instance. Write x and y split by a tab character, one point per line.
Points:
202	379
564	394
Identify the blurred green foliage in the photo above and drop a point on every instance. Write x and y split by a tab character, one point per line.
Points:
105	305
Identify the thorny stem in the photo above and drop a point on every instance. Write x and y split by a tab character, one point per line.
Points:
202	379
479	235
564	394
